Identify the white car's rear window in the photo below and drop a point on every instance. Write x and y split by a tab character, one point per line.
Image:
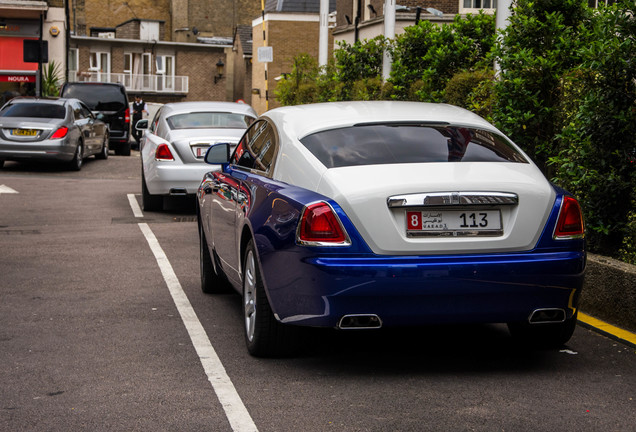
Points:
396	143
197	120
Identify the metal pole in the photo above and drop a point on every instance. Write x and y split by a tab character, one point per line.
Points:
502	20
389	33
323	49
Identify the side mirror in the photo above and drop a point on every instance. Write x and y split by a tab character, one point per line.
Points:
142	124
218	154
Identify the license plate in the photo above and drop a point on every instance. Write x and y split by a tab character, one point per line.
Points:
24	132
453	222
199	151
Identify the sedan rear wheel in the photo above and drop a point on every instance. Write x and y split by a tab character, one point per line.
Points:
553	335
211	281
148	201
103	154
264	335
78	159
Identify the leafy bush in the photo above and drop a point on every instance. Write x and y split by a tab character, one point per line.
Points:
426	56
538	47
472	90
599	132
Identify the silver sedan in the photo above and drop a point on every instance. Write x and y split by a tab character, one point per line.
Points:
175	143
58	130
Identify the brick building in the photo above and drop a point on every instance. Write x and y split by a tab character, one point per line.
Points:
364	19
164	50
290	27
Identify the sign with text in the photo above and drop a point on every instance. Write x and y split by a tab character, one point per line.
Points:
265	54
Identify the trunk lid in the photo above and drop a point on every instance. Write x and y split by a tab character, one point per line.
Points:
377	198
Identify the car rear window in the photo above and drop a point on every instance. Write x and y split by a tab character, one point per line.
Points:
197	120
390	143
97	97
34	110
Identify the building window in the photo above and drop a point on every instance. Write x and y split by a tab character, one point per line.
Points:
165	72
472	6
100	65
73	59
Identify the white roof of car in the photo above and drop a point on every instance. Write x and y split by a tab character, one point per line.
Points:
301	120
185	107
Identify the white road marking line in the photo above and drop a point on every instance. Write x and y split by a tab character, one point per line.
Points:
235	411
135	206
7	189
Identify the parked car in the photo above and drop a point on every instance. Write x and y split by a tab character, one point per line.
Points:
60	130
175	143
361	215
111	101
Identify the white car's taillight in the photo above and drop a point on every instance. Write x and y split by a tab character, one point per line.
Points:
320	226
570	223
163	153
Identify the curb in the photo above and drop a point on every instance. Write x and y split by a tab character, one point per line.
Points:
615	333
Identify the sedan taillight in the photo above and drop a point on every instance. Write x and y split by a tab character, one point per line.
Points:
320	225
60	133
163	153
570	222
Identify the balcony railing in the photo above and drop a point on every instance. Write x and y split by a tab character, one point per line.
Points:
136	82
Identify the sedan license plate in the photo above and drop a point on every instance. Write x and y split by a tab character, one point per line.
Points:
453	223
24	132
200	150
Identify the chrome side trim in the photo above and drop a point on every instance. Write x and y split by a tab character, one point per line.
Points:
443	199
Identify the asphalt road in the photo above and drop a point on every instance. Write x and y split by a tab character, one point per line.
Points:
95	334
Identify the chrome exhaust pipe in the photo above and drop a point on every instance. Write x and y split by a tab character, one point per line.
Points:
545	316
360	322
178	192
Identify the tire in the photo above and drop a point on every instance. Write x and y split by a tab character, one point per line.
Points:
149	202
103	154
124	148
78	158
264	335
544	335
212	282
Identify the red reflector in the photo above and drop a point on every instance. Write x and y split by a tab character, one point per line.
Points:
320	224
127	115
570	223
163	153
60	133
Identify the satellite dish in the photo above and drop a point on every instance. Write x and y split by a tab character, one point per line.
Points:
195	31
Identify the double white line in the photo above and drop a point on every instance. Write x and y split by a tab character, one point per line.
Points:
235	411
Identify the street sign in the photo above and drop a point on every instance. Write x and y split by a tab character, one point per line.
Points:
265	54
36	51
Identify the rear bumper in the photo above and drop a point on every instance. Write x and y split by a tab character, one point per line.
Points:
49	150
403	291
162	178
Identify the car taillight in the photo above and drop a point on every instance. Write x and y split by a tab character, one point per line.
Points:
319	224
60	133
570	222
163	153
127	115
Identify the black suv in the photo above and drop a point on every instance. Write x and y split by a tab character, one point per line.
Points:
111	101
